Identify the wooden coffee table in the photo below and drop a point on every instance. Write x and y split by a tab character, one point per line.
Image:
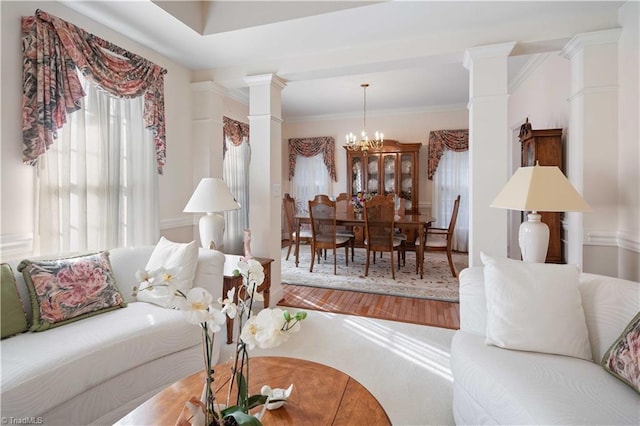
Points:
321	395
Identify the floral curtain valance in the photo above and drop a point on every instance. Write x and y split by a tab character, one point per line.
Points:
236	131
52	51
310	147
439	140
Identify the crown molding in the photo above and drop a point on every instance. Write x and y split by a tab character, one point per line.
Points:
529	68
208	86
272	79
580	41
474	53
378	113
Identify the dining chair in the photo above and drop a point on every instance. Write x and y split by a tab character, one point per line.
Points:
379	226
441	239
343	205
289	204
323	230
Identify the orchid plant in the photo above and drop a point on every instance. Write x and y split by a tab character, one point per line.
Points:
268	329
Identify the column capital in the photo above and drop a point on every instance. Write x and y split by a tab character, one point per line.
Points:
271	79
580	41
489	51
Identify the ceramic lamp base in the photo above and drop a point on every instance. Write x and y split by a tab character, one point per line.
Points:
534	239
212	231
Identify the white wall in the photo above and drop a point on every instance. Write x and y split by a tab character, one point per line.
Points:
543	97
17	179
629	143
408	127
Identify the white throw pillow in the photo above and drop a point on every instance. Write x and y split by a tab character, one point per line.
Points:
535	307
168	254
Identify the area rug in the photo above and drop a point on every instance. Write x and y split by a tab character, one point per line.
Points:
405	366
437	283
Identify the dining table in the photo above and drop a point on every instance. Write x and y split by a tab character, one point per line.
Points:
350	218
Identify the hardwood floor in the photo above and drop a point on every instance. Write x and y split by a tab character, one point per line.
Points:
404	309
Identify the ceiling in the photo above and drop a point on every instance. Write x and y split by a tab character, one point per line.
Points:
410	52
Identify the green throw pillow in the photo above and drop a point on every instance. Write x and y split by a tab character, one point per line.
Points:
13	319
70	289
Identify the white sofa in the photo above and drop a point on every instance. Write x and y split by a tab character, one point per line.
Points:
501	386
96	370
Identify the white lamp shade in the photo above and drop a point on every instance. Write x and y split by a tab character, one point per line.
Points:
538	188
211	196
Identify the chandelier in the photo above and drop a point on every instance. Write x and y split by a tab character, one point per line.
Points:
364	143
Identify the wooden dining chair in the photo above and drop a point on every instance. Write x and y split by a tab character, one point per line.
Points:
323	230
441	239
289	204
343	205
379	227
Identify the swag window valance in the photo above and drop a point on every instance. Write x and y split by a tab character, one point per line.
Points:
236	131
310	147
439	140
53	50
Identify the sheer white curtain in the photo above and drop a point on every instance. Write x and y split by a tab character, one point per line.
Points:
235	172
310	178
450	180
97	186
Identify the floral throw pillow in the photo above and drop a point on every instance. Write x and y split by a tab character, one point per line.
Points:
70	289
623	357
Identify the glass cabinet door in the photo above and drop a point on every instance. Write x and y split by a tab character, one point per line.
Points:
406	179
357	175
390	184
373	174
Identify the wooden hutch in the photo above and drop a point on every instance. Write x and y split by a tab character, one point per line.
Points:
545	147
391	169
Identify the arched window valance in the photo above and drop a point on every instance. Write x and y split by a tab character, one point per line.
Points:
236	131
310	147
52	51
439	140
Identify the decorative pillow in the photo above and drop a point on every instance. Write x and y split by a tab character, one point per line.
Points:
623	357
13	319
70	289
168	255
535	307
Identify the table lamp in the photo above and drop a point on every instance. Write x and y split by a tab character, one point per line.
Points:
211	197
535	189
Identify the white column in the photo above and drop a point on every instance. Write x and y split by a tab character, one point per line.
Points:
488	148
265	207
207	132
592	142
207	106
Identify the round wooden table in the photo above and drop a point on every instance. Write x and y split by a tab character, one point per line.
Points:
321	395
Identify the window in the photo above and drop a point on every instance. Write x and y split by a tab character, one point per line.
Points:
98	184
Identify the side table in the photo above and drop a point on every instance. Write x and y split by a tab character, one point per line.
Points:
230	265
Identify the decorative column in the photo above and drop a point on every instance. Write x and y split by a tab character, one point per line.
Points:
207	127
206	133
592	144
488	147
265	209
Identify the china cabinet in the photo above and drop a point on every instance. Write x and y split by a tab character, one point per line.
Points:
393	168
544	146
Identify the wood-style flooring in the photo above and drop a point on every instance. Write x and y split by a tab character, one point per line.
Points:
405	309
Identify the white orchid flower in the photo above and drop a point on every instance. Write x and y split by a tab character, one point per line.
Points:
167	276
252	290
144	276
265	329
195	307
228	306
216	320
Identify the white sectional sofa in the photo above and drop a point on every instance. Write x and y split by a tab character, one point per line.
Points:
493	385
96	370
